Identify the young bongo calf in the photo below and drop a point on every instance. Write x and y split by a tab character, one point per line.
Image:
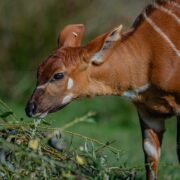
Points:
142	64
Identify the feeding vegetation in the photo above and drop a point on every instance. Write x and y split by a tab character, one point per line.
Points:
36	150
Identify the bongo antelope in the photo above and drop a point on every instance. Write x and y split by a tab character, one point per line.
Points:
142	64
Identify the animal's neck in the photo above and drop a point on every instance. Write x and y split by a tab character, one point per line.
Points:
126	67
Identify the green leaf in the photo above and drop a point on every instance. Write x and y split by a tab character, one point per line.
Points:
91	120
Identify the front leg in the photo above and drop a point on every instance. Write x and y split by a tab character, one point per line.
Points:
152	134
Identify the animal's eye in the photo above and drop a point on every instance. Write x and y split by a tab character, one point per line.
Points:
58	76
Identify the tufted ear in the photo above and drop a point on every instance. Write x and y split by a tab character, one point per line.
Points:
71	35
98	47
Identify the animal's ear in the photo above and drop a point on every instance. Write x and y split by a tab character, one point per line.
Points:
71	35
98	47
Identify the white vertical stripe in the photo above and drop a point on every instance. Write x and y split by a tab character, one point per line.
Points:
175	4
157	29
41	86
70	83
167	11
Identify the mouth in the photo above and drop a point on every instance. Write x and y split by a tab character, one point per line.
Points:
58	108
42	115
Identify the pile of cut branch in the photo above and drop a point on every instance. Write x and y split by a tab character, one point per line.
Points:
35	150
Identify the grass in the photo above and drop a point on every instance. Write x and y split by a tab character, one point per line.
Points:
115	122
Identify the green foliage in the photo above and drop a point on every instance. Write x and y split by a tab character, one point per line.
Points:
26	152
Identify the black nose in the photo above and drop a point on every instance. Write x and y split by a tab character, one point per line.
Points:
31	109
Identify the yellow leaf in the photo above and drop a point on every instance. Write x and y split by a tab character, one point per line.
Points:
33	144
80	160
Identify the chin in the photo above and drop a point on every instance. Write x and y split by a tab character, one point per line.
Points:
42	115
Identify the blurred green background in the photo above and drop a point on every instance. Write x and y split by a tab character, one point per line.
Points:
28	34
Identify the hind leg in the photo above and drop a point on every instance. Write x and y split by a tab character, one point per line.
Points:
178	137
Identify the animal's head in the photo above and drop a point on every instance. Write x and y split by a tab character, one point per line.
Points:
64	75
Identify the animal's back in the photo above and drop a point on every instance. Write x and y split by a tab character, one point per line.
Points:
164	27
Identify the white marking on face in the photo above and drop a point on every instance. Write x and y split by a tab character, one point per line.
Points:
67	99
150	149
40	115
70	83
43	115
42	86
132	94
